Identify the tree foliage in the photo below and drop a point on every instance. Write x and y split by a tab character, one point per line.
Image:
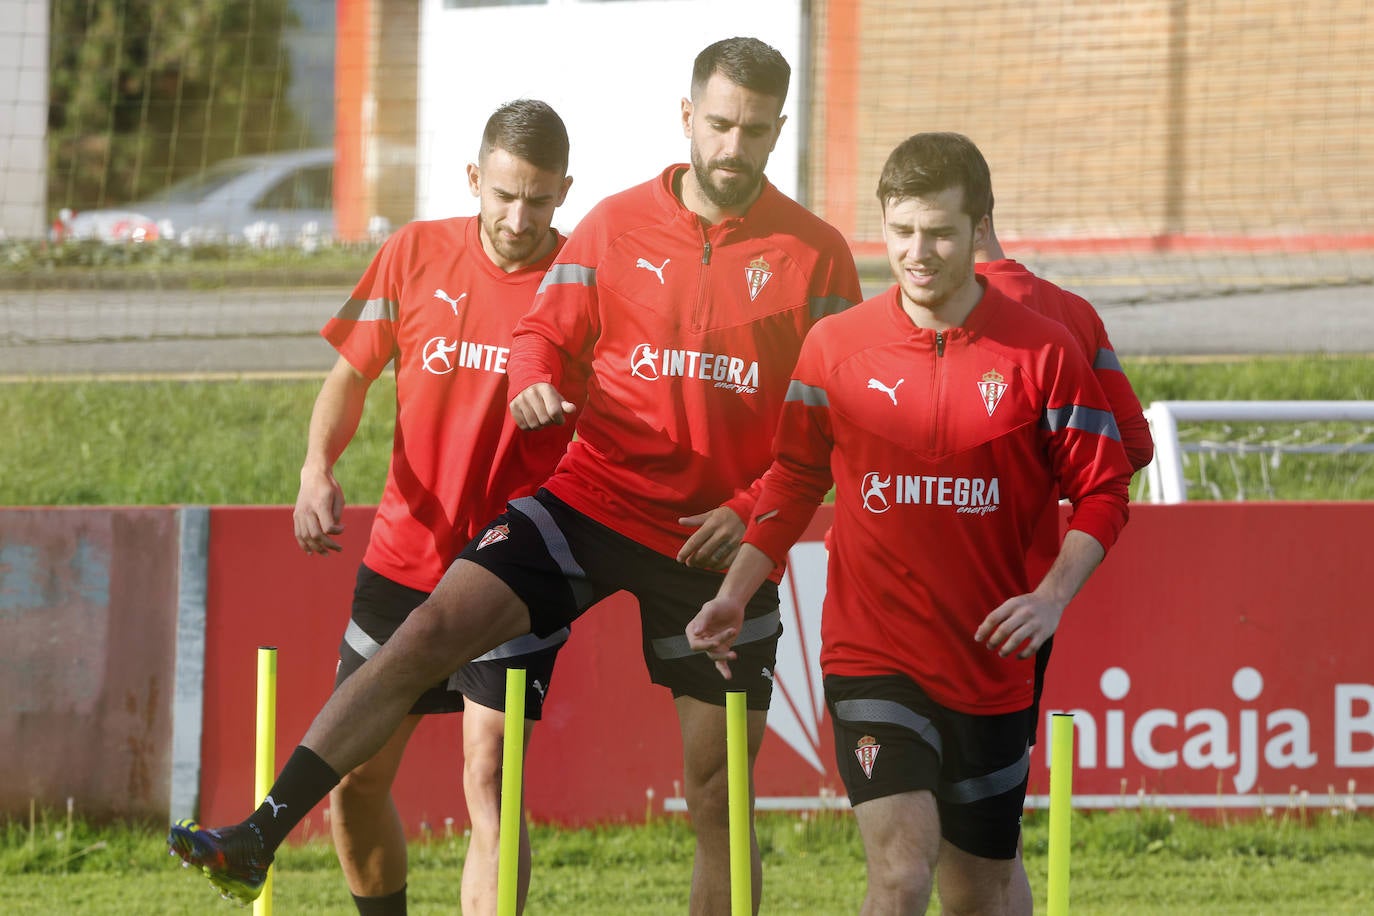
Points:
144	92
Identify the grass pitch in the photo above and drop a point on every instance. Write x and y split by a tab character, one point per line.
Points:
1293	860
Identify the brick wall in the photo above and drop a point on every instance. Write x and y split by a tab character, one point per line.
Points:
1120	119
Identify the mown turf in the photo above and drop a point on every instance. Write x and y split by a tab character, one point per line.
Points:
1291	861
241	442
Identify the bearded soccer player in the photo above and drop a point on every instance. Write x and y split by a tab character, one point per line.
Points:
982	412
439	304
686	298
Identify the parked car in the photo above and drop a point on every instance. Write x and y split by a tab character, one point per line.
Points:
270	199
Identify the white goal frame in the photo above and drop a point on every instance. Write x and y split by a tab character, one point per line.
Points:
1164	475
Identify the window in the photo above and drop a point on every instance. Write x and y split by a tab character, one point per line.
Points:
470	4
304	189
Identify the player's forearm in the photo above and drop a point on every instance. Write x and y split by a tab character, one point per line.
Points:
748	571
1080	554
335	417
533	359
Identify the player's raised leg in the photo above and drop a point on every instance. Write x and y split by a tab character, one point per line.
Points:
469	613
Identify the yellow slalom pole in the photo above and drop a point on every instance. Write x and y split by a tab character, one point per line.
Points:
1061	807
512	801
265	763
737	772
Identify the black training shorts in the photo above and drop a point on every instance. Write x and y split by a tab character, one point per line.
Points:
890	737
560	562
381	604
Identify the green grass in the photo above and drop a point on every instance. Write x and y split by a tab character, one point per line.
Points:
1150	862
164	442
240	442
88	264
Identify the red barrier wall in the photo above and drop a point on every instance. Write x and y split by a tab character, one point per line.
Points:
88	629
1221	651
608	737
1224	652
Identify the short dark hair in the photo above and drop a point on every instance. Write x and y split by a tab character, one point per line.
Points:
530	130
928	163
746	62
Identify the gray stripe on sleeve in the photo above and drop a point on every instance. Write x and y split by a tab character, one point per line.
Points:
1084	419
752	630
810	395
1106	359
568	273
368	310
827	305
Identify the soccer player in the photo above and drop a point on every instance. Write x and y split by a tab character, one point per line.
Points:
686	298
948	417
439	304
1016	281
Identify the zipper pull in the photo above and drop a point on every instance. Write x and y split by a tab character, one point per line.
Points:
706	253
939	343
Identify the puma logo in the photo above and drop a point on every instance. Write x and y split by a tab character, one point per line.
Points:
440	294
275	807
658	271
876	385
538	686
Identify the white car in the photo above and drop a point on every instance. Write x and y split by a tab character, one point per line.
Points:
266	200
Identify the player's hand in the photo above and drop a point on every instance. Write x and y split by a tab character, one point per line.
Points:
715	543
1023	622
540	405
319	512
713	631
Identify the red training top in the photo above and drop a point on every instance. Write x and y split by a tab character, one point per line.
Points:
436	305
691	333
944	449
1014	280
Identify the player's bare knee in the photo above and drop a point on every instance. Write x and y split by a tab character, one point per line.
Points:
905	884
482	777
361	785
988	894
710	811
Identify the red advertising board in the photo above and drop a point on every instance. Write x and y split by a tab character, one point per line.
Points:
1220	656
1223	656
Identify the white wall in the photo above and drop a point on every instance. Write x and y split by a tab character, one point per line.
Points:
23	117
615	71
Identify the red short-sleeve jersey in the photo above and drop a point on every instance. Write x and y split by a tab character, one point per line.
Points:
434	306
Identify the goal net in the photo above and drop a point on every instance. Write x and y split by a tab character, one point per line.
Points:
1260	450
1143	151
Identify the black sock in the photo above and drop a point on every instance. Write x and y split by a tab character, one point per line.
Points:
390	905
303	782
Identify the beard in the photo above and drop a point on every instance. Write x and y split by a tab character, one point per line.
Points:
513	248
726	192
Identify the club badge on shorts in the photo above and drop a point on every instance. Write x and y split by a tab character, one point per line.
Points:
867	752
493	534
